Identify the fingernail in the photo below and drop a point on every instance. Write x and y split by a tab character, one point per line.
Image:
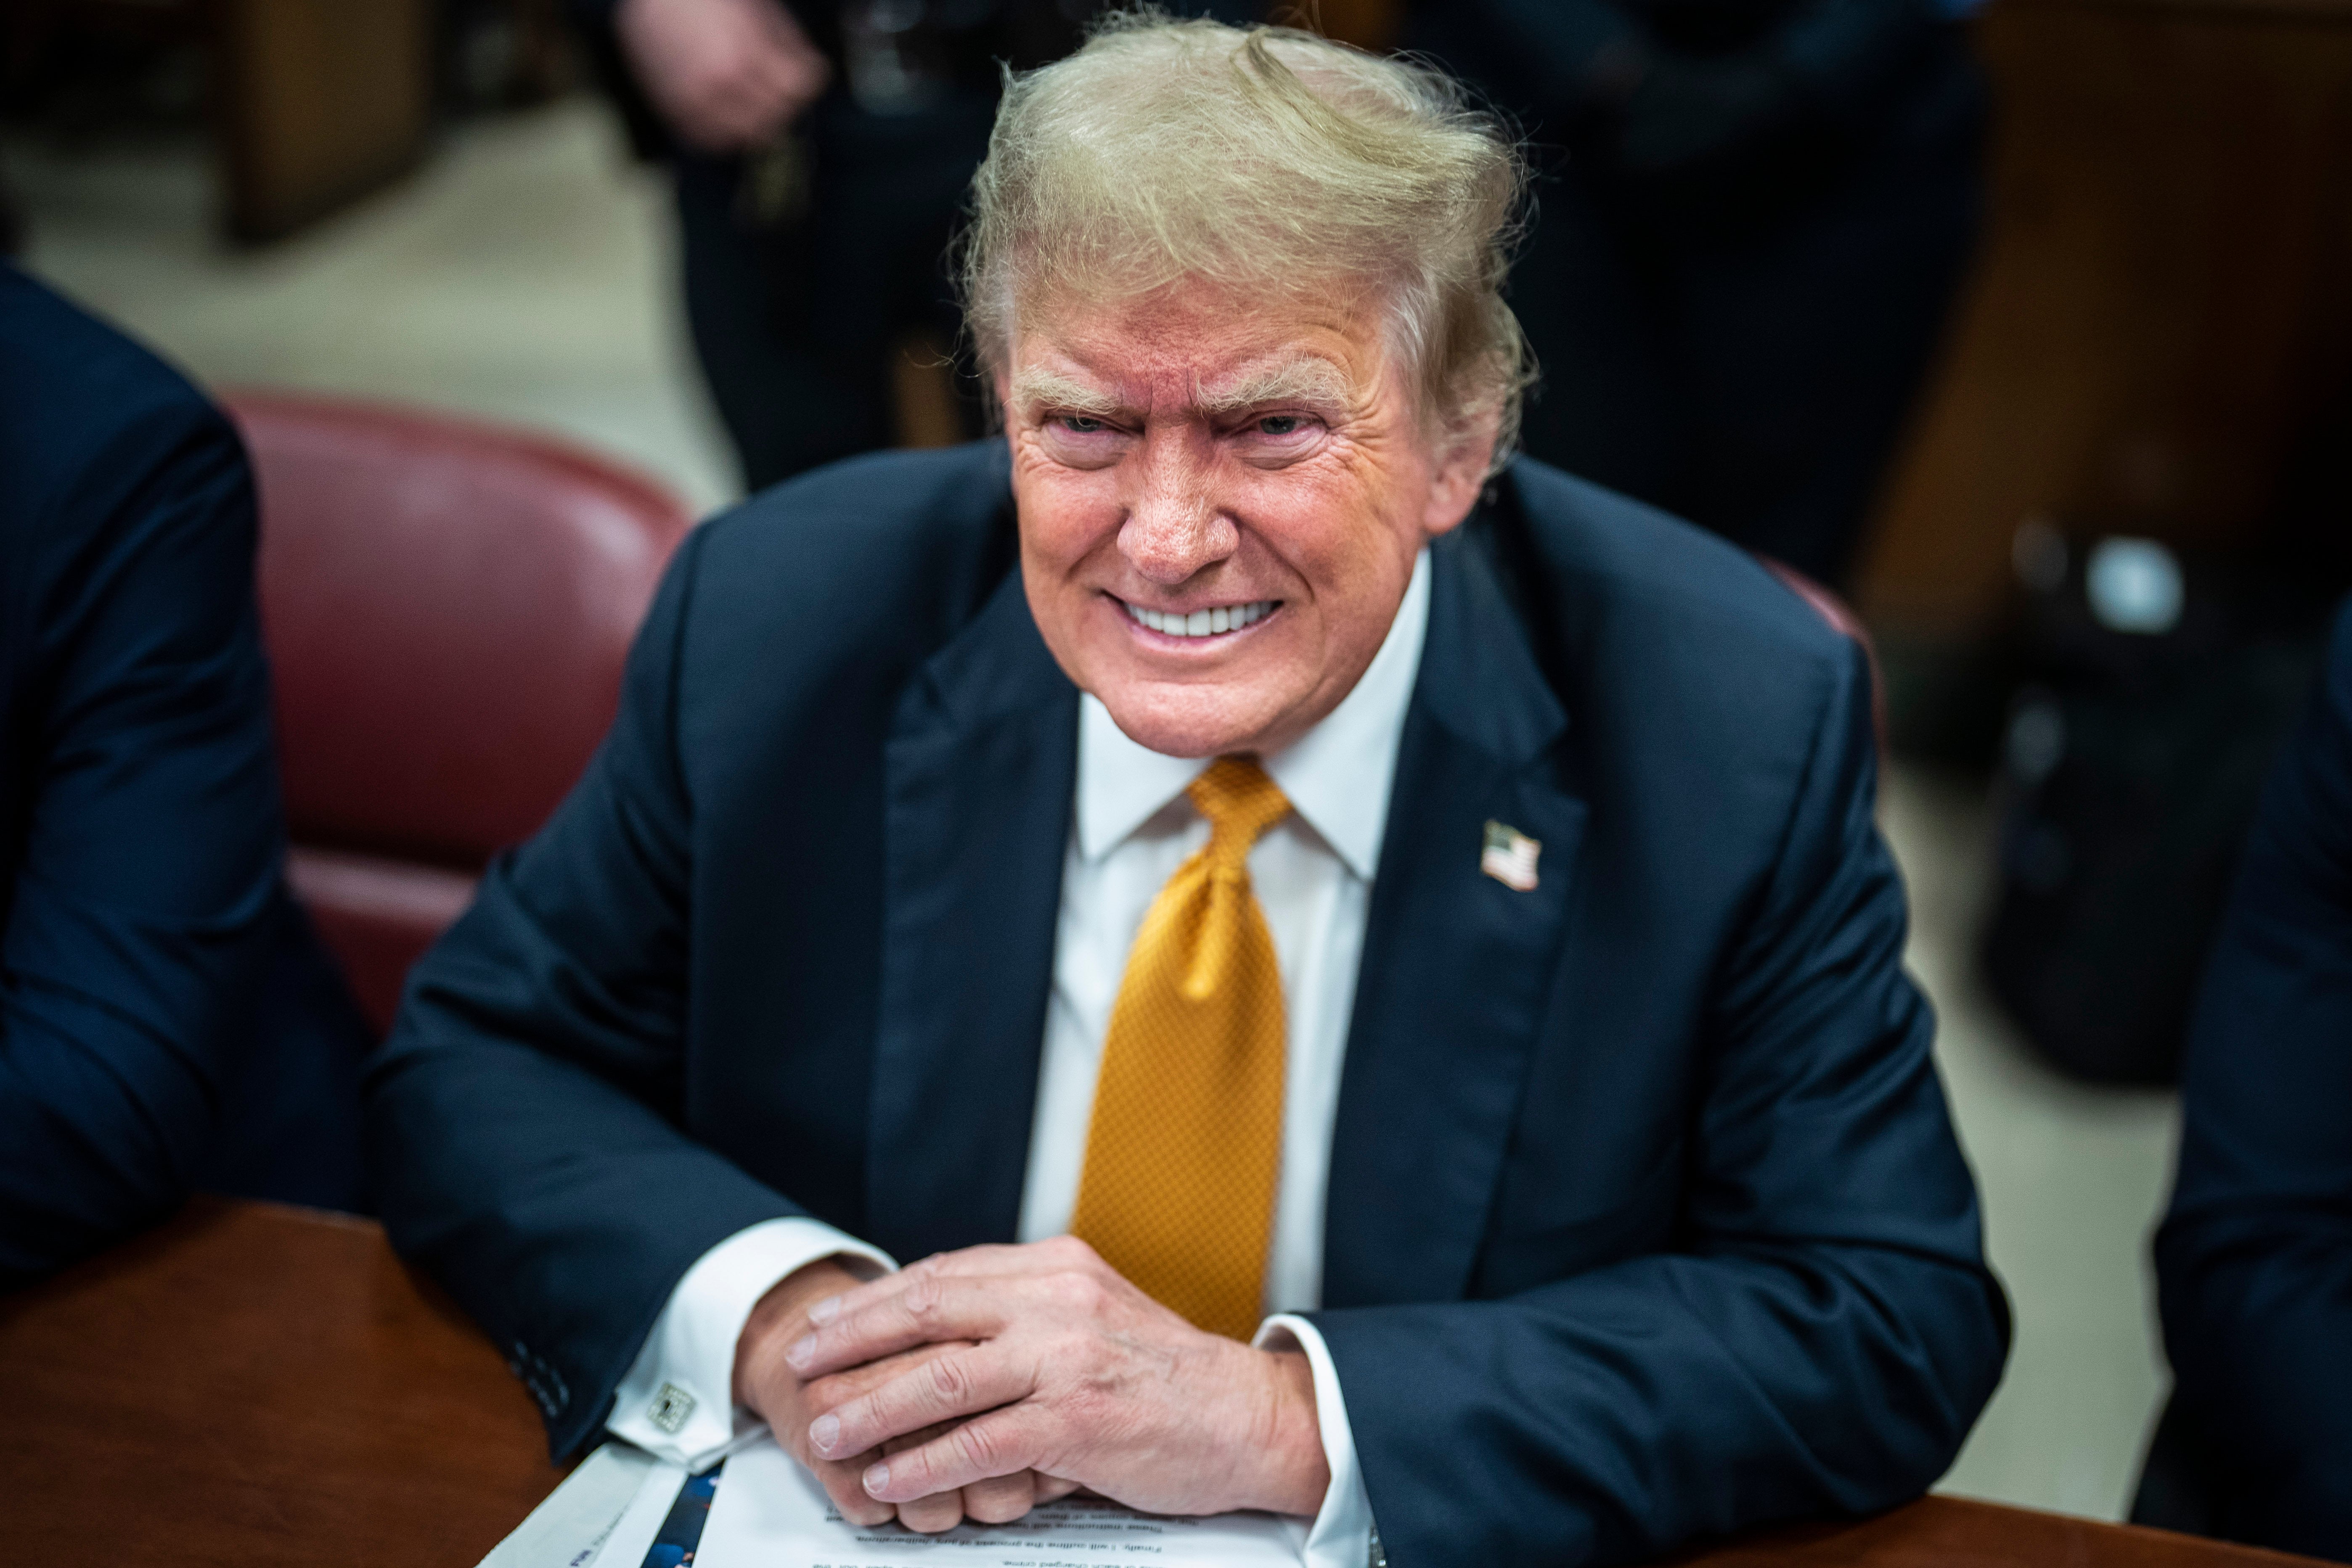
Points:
826	1311
876	1477
824	1432
801	1352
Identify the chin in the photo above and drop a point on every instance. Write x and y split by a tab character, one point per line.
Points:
1189	722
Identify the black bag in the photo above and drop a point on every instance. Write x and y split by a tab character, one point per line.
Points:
2130	773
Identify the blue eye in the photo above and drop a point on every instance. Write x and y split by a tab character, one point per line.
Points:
1281	425
1081	423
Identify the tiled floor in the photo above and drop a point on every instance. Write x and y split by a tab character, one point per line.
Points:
525	274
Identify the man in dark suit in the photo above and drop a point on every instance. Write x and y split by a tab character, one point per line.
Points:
2254	1260
1378	1004
165	1020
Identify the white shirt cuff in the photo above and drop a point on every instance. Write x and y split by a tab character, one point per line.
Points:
1341	1535
677	1402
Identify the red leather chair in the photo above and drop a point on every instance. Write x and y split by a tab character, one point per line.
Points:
1839	615
448	607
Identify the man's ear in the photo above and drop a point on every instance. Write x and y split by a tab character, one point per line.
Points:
1466	453
1001	383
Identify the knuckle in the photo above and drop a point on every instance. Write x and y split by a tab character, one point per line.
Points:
1082	1291
980	1446
930	1515
921	1299
1001	1501
949	1380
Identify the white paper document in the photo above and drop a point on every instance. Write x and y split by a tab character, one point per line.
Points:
572	1526
771	1513
632	1535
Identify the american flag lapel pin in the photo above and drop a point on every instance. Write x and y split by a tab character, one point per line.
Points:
1510	856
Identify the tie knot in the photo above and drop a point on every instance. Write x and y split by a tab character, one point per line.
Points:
1240	802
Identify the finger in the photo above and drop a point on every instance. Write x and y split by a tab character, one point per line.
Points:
1002	1443
809	61
931	1515
786	81
740	112
1056	1255
999	1500
714	125
845	1484
943	1389
1053	1488
761	106
1063	1254
831	1391
929	1309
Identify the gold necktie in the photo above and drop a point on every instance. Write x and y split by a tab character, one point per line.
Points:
1177	1192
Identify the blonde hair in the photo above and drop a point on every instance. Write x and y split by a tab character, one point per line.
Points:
1268	160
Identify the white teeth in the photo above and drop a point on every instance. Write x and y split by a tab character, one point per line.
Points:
1203	623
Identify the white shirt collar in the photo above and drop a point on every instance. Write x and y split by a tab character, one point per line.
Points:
1337	774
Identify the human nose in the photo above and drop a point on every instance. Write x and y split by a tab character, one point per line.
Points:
1174	526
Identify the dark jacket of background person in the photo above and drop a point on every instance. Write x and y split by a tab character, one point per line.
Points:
2254	1260
1646	1218
809	265
166	1021
1750	217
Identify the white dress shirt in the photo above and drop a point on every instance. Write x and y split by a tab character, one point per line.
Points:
1313	875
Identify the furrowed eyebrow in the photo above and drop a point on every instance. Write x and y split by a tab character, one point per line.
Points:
1306	380
1044	389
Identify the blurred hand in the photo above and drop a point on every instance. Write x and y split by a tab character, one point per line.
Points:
767	1386
726	74
1048	1362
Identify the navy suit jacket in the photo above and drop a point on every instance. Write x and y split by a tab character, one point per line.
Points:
165	1020
2254	1260
1647	1219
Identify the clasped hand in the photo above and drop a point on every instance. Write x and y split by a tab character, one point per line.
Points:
981	1382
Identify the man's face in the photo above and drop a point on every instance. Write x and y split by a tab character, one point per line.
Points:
1220	505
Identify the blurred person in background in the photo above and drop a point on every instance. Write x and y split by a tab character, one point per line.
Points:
1755	214
2254	1260
167	1019
821	154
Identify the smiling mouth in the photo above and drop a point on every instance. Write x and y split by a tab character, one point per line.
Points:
1201	623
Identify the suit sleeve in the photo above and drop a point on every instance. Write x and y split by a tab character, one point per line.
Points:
137	931
1824	1332
2254	1260
523	1119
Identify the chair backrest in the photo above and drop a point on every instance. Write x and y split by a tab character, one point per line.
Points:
1839	618
449	606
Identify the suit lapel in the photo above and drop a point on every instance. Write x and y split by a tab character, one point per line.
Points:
979	773
1457	965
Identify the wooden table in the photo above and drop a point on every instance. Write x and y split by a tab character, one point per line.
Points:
255	1385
